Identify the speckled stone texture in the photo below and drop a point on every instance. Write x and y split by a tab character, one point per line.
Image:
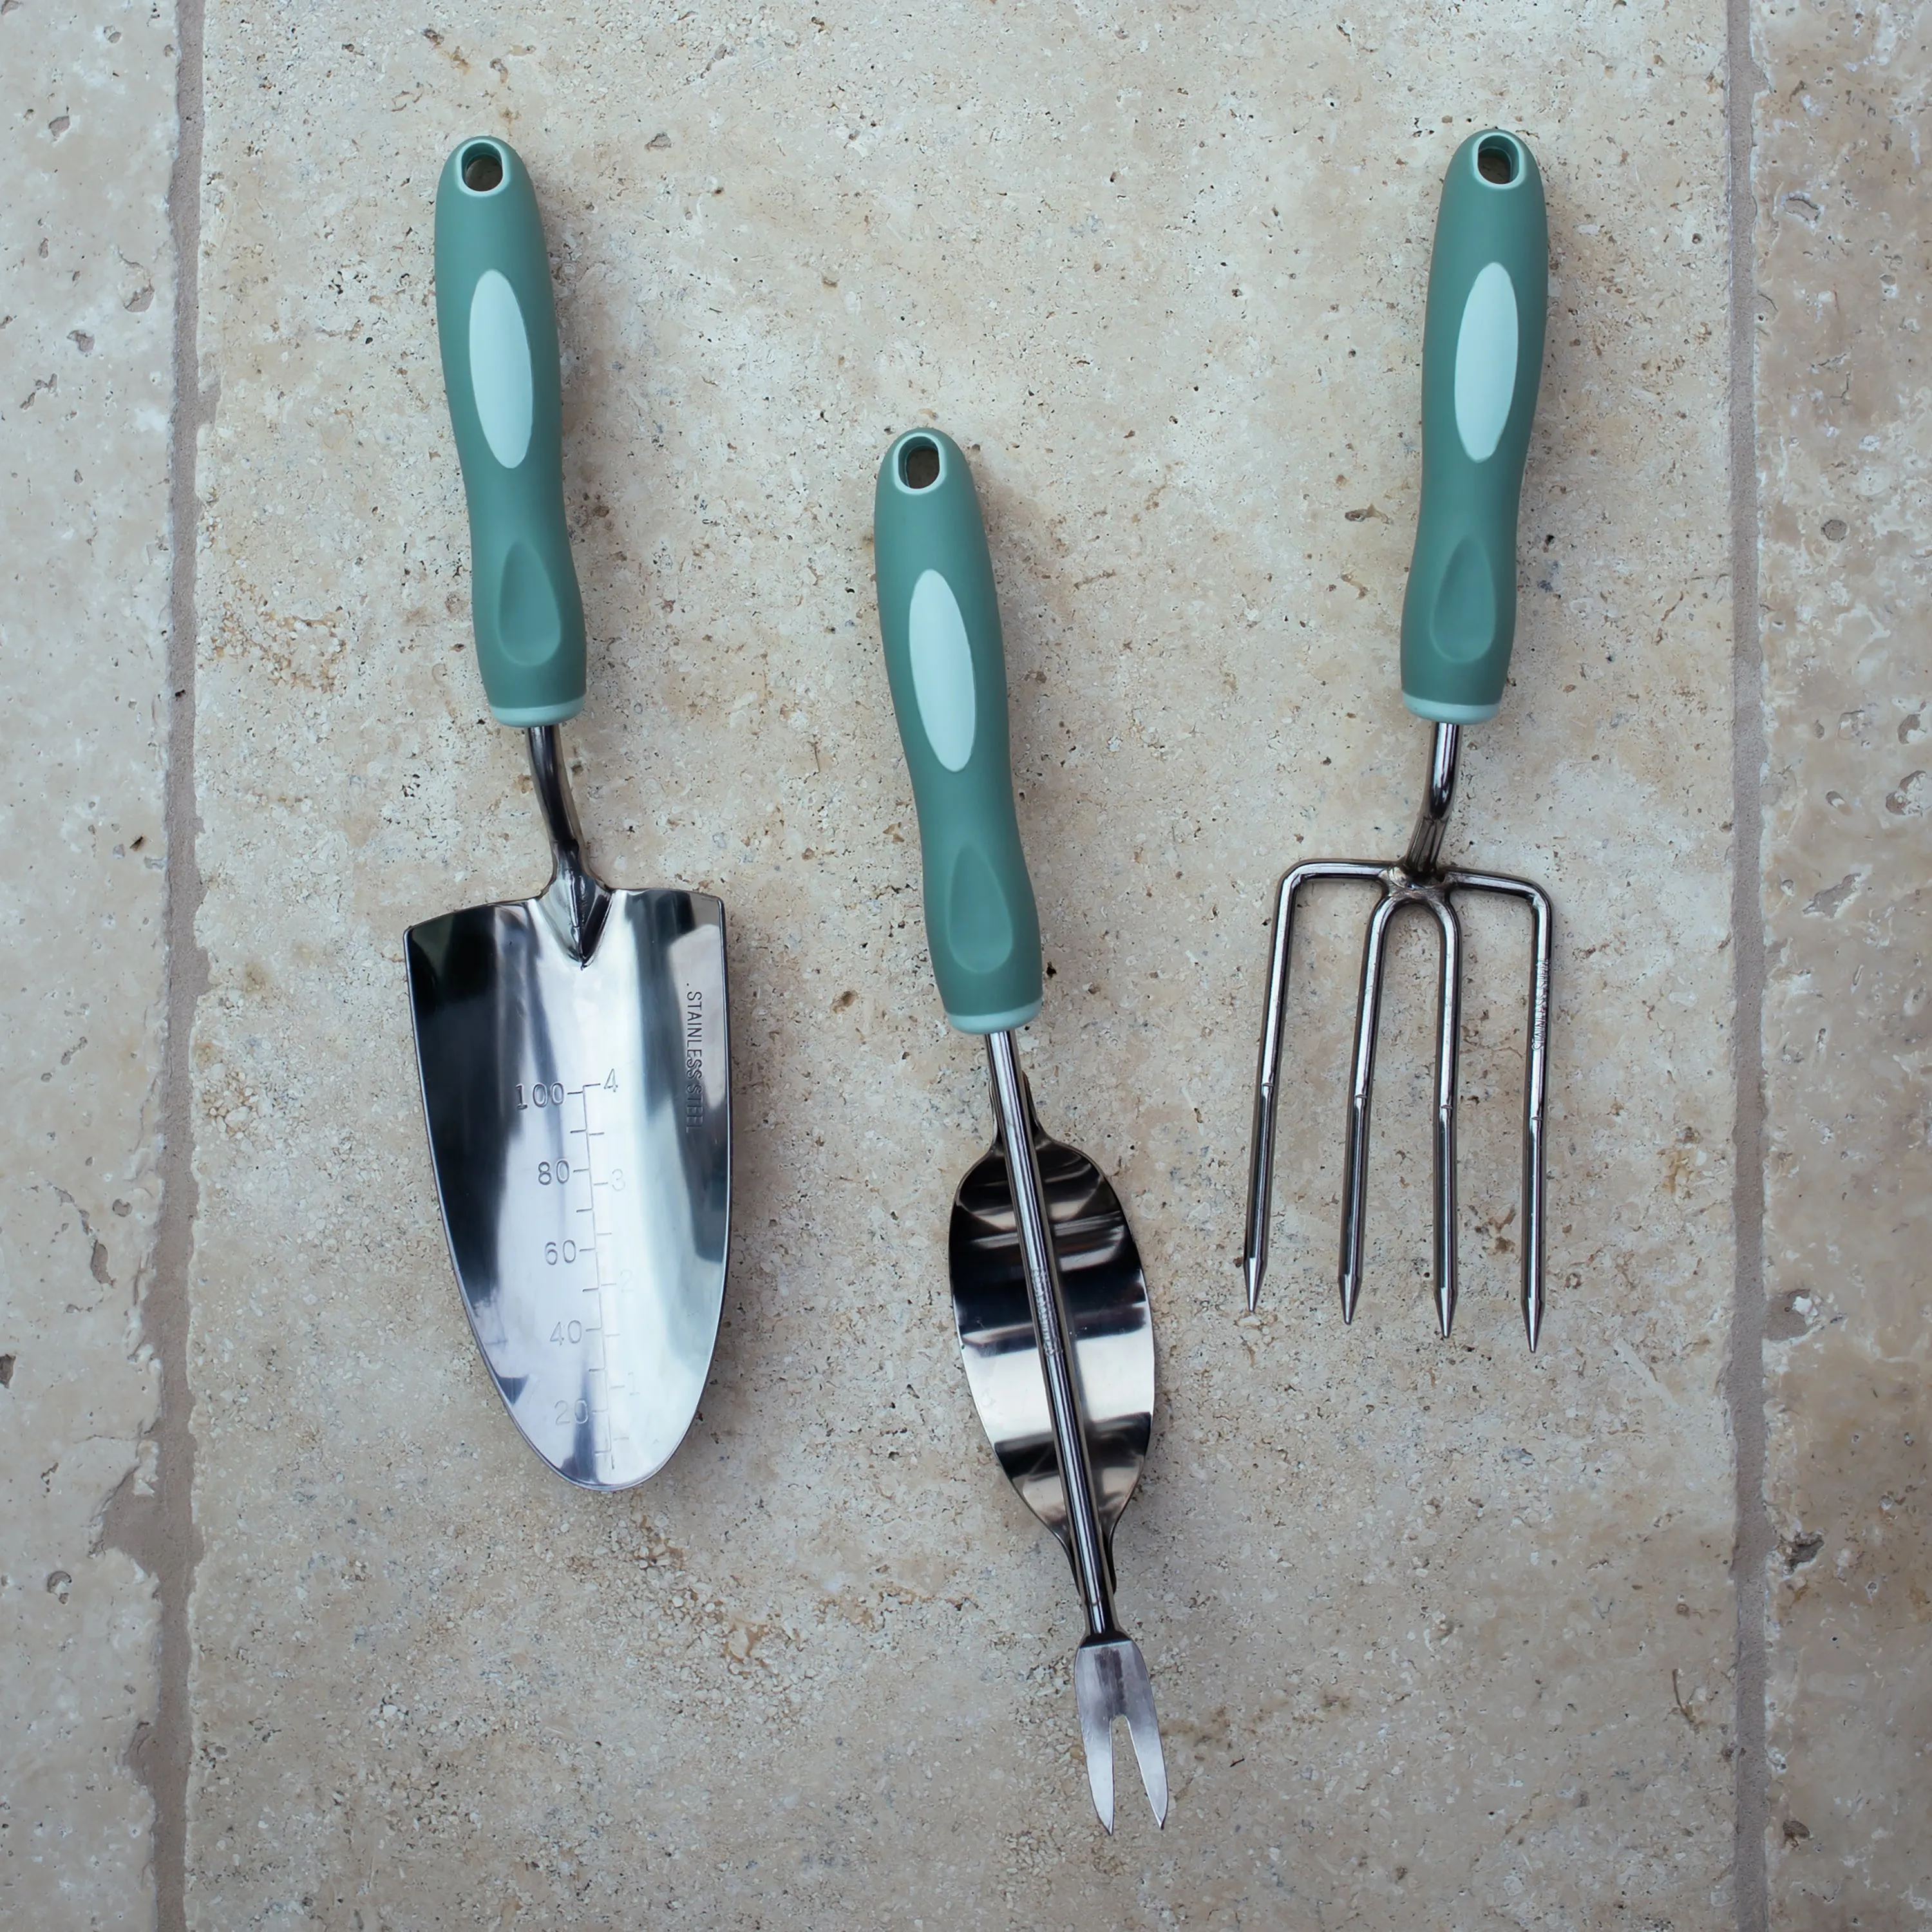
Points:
1844	427
86	280
1439	1634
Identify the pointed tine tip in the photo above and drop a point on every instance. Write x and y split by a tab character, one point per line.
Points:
1532	1322
1255	1268
1100	1777
1145	1732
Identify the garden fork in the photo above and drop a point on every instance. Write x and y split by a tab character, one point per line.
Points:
1481	360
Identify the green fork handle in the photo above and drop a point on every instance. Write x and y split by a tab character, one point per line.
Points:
496	320
939	616
1482	359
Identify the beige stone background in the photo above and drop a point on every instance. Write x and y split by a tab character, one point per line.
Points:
293	1630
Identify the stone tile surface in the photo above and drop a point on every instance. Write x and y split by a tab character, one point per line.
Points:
1844	422
87	107
1440	1634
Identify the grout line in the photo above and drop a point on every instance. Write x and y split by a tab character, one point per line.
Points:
1744	1377
156	1527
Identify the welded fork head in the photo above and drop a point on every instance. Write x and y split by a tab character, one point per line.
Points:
1416	879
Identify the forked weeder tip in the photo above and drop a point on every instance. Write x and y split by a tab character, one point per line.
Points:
1110	1680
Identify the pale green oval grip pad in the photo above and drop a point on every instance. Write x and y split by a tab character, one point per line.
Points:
939	616
1482	359
496	321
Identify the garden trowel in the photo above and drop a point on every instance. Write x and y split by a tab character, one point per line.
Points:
572	1047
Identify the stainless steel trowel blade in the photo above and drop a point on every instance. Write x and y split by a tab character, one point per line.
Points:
580	1124
1106	1305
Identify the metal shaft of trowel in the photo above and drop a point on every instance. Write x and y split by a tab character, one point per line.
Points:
1054	1333
587	894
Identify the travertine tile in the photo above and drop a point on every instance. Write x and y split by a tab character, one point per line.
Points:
1441	1635
86	314
1843	425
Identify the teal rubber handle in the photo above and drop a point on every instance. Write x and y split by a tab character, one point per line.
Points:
496	320
939	616
1482	360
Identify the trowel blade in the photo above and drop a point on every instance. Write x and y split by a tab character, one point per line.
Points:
580	1124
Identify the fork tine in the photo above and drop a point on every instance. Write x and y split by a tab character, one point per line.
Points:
1268	1075
1355	1158
1267	1091
1447	1059
1535	1090
1535	1077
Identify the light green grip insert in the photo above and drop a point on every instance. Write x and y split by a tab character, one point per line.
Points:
497	323
940	617
1482	359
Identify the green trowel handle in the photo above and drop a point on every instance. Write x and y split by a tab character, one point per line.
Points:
1482	357
497	325
940	617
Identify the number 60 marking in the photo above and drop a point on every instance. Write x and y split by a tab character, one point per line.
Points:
559	1251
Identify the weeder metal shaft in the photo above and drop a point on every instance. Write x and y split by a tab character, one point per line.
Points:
1108	1682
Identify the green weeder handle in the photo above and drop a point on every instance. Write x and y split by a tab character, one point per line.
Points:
1482	358
496	323
940	617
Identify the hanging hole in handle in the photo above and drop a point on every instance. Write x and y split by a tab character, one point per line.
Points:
919	465
482	168
1496	160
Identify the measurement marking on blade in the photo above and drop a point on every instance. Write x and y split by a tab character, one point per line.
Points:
603	1280
597	1373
